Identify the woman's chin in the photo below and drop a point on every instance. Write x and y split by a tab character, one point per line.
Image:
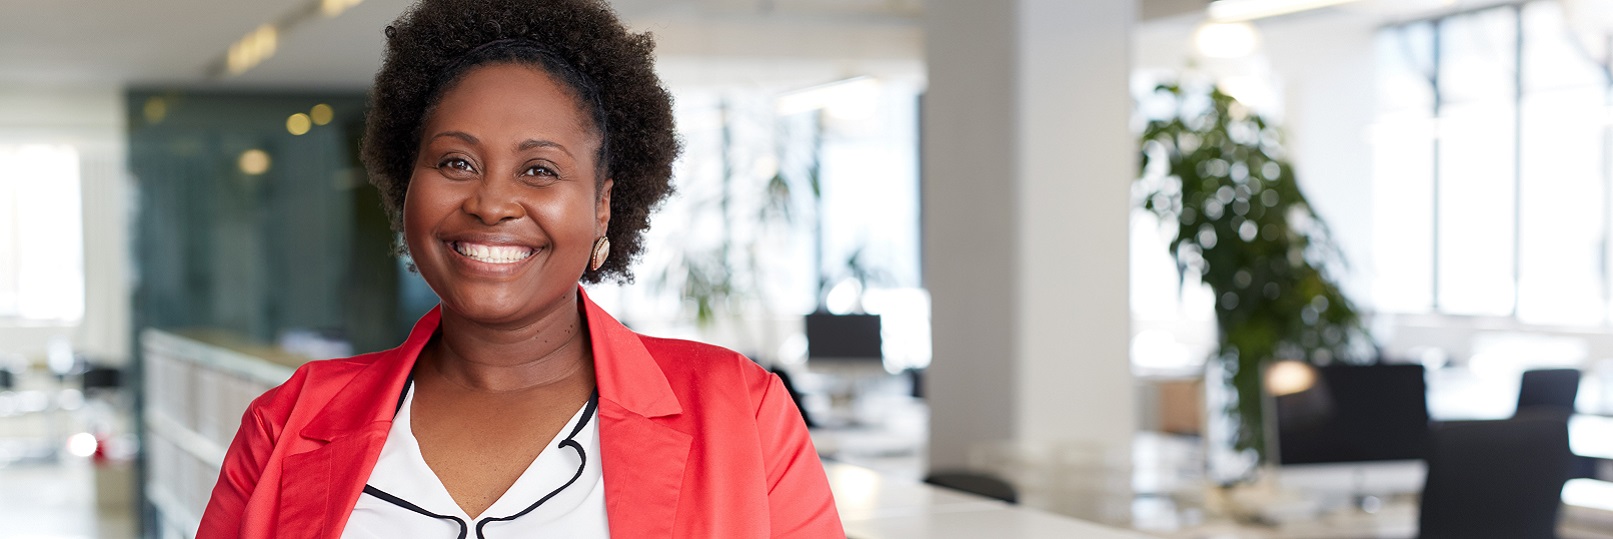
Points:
487	308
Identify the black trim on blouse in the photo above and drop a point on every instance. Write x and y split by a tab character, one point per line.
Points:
400	502
588	412
408	383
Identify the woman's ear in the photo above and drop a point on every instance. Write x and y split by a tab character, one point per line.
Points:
602	208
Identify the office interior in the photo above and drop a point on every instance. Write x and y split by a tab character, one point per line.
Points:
1035	268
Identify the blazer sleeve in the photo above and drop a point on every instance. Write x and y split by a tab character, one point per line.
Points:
243	465
799	500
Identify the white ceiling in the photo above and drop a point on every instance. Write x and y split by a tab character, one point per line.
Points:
149	42
152	42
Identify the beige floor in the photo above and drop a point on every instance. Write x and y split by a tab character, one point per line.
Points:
59	501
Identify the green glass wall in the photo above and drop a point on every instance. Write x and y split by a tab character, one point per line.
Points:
246	226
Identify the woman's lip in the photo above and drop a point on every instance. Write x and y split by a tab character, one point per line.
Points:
492	253
489	238
490	267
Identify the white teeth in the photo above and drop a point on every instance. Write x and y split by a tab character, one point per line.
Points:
493	254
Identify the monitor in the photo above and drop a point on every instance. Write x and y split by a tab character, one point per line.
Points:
844	337
1351	414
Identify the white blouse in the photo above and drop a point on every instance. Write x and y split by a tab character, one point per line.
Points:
561	494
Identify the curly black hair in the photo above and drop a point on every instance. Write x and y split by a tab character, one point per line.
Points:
580	43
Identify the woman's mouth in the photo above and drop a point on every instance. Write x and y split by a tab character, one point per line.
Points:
492	254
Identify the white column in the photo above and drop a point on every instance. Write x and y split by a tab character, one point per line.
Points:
1028	159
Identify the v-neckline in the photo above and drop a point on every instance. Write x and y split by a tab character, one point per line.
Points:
437	492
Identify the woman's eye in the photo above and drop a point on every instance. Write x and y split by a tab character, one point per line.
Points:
539	170
456	164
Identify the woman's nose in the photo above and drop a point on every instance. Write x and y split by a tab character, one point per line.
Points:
492	203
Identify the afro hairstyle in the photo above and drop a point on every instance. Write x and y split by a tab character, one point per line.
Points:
582	45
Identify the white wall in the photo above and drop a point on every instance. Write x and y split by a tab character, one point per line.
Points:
91	119
1329	92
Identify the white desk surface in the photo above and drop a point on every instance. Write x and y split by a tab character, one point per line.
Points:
876	507
1003	523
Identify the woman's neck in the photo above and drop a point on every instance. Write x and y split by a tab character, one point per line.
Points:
503	359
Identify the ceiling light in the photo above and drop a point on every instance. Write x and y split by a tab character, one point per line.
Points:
1226	39
252	49
332	8
1248	10
261	43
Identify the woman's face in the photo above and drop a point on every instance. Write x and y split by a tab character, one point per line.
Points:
503	208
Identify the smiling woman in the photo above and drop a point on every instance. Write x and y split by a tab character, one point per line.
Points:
506	204
520	146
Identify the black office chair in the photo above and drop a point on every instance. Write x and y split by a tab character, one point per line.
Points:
795	396
916	377
1495	479
98	378
979	484
1548	389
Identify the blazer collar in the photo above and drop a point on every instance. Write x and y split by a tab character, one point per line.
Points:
643	457
371	395
319	487
623	368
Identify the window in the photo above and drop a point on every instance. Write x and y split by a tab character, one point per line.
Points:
1491	168
858	137
41	234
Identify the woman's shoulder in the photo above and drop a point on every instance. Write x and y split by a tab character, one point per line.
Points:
314	383
679	354
705	365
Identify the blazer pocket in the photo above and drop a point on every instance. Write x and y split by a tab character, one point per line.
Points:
304	494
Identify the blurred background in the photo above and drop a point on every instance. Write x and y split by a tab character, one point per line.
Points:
1182	268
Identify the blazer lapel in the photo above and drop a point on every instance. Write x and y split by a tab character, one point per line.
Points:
643	463
318	488
644	457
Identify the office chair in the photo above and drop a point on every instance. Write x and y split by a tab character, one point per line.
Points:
977	483
98	378
916	377
1555	389
795	396
1495	479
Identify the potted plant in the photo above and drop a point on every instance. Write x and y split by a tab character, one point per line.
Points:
1215	169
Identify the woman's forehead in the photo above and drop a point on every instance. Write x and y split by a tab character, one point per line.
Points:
511	103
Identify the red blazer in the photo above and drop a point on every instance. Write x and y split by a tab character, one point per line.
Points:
697	440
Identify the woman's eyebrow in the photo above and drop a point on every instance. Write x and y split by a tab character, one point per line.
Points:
523	146
461	135
537	143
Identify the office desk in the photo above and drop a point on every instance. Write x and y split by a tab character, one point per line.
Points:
876	507
1002	523
1587	514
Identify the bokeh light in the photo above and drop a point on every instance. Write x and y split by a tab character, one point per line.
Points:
298	124
321	114
254	162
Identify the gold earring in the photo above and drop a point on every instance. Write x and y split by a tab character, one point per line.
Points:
601	252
